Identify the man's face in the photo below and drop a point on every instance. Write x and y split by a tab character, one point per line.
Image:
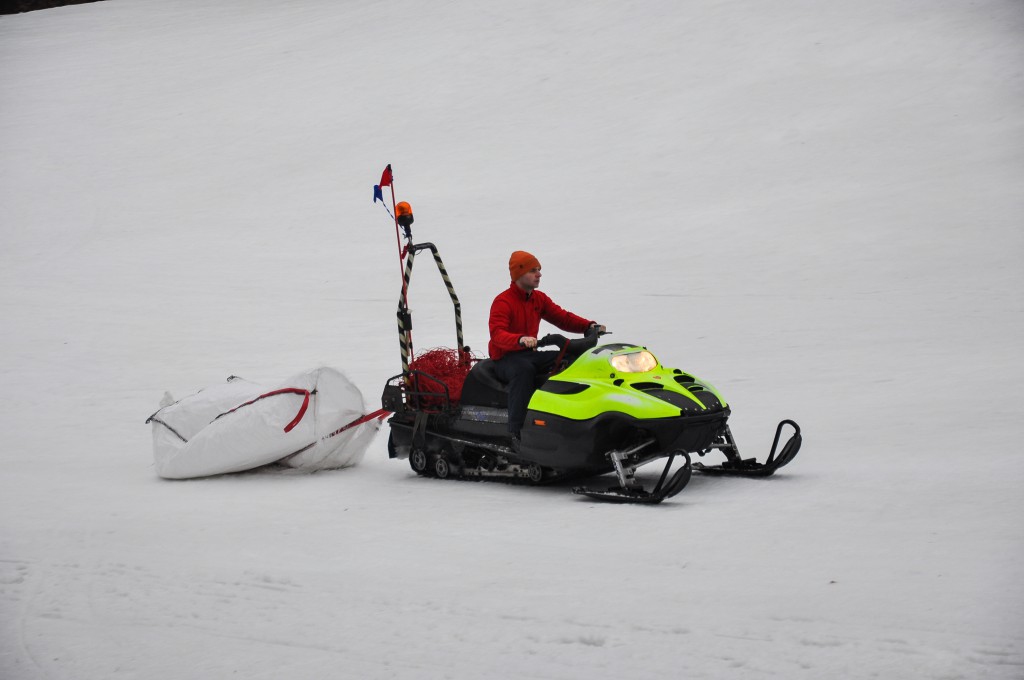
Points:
530	280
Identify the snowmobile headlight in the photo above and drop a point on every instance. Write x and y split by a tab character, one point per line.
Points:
634	362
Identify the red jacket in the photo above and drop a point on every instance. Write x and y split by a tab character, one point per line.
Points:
514	315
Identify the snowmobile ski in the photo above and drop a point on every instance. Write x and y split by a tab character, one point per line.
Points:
630	490
749	467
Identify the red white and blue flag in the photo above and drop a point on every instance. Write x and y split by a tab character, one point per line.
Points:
385	181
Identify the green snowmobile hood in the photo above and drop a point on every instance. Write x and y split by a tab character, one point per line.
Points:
593	385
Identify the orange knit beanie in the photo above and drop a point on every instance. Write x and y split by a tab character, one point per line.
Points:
520	263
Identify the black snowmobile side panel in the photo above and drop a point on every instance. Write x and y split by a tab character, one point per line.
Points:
583	444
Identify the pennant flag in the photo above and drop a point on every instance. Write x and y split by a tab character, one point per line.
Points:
385	179
378	195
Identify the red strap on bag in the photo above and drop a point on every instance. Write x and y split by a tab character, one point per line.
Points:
288	390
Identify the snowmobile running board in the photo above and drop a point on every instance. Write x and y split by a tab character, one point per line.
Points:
749	467
630	490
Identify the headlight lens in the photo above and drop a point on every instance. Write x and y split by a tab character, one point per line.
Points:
634	362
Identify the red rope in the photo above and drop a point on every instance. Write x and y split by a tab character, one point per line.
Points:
379	414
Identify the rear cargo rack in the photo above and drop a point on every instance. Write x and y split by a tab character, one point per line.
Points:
406	392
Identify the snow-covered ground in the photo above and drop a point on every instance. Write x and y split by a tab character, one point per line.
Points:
817	206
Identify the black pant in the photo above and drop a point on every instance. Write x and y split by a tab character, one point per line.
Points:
524	372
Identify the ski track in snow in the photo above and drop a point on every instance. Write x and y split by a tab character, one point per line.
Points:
815	207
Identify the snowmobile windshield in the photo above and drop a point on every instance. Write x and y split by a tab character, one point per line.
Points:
634	362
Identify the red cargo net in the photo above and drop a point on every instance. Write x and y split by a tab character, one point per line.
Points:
449	366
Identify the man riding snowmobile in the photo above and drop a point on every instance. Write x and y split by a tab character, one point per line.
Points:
515	319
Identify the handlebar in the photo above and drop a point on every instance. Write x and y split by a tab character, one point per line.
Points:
574	347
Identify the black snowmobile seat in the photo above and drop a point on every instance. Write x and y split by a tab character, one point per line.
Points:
483	387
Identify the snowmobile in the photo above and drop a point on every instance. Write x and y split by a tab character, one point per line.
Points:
608	408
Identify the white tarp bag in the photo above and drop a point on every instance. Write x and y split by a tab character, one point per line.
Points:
313	421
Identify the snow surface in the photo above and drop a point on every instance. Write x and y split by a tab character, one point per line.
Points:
817	206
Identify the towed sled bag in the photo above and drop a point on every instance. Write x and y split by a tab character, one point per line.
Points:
312	421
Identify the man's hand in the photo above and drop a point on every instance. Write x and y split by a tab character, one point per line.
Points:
528	342
596	328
